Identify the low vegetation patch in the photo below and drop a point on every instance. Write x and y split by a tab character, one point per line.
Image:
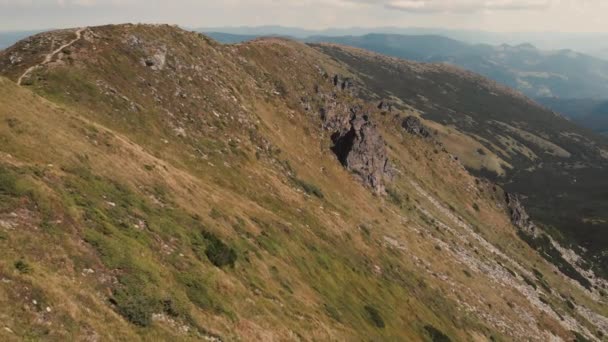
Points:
435	334
529	282
309	188
22	266
332	312
394	196
8	183
374	316
218	252
579	337
134	306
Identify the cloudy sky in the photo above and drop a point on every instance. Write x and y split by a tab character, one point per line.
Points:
492	15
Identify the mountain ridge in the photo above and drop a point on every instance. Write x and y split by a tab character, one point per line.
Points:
190	190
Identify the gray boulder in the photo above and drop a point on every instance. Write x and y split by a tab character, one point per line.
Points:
413	125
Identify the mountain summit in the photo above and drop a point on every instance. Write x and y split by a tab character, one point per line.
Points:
155	185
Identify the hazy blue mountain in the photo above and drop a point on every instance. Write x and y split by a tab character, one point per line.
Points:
595	44
11	37
536	73
261	31
229	38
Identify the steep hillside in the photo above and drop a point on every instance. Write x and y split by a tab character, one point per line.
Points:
590	113
500	134
157	185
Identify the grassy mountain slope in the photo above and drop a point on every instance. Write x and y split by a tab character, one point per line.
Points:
555	164
158	185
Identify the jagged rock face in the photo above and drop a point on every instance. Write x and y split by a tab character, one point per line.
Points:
362	150
413	125
357	142
519	216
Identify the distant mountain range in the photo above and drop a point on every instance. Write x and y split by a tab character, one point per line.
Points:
566	81
536	73
595	44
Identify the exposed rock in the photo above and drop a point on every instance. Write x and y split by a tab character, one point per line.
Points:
133	41
342	83
362	150
15	59
385	106
413	125
157	60
519	216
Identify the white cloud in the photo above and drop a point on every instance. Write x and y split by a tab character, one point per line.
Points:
495	15
64	3
459	6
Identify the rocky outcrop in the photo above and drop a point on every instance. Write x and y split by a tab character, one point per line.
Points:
357	142
360	148
413	125
342	83
519	216
385	106
157	60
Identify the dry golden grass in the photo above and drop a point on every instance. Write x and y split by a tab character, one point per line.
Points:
306	267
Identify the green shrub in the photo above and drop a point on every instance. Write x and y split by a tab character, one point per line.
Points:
218	252
394	196
570	304
8	183
435	334
541	280
580	338
309	188
22	266
529	281
170	307
374	316
332	312
134	306
365	229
